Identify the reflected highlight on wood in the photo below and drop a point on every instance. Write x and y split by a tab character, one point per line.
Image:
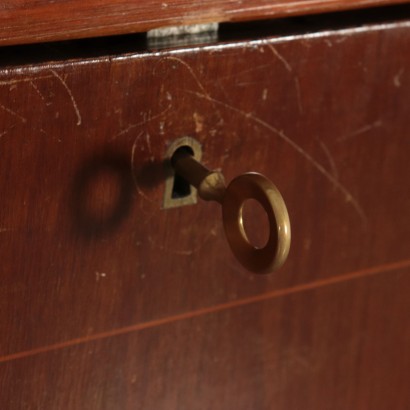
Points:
46	20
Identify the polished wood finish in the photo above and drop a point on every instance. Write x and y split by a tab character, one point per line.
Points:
107	300
336	347
47	20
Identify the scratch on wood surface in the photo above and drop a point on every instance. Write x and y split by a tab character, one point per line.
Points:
247	83
37	90
288	67
322	170
143	122
148	139
330	158
128	128
341	39
6	131
328	42
191	71
64	84
199	122
25	80
397	78
264	94
14	114
361	130
2	134
279	56
99	275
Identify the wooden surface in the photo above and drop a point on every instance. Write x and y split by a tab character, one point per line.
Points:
303	351
47	20
108	301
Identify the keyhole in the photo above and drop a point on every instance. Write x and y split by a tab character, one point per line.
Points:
181	188
178	192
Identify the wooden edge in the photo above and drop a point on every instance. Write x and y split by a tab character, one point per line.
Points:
23	22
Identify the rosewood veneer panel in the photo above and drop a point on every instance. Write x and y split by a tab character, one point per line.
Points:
335	347
85	246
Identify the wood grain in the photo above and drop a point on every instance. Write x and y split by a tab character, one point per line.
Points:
338	347
82	146
46	20
86	250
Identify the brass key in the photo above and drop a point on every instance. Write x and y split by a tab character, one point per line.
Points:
211	187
